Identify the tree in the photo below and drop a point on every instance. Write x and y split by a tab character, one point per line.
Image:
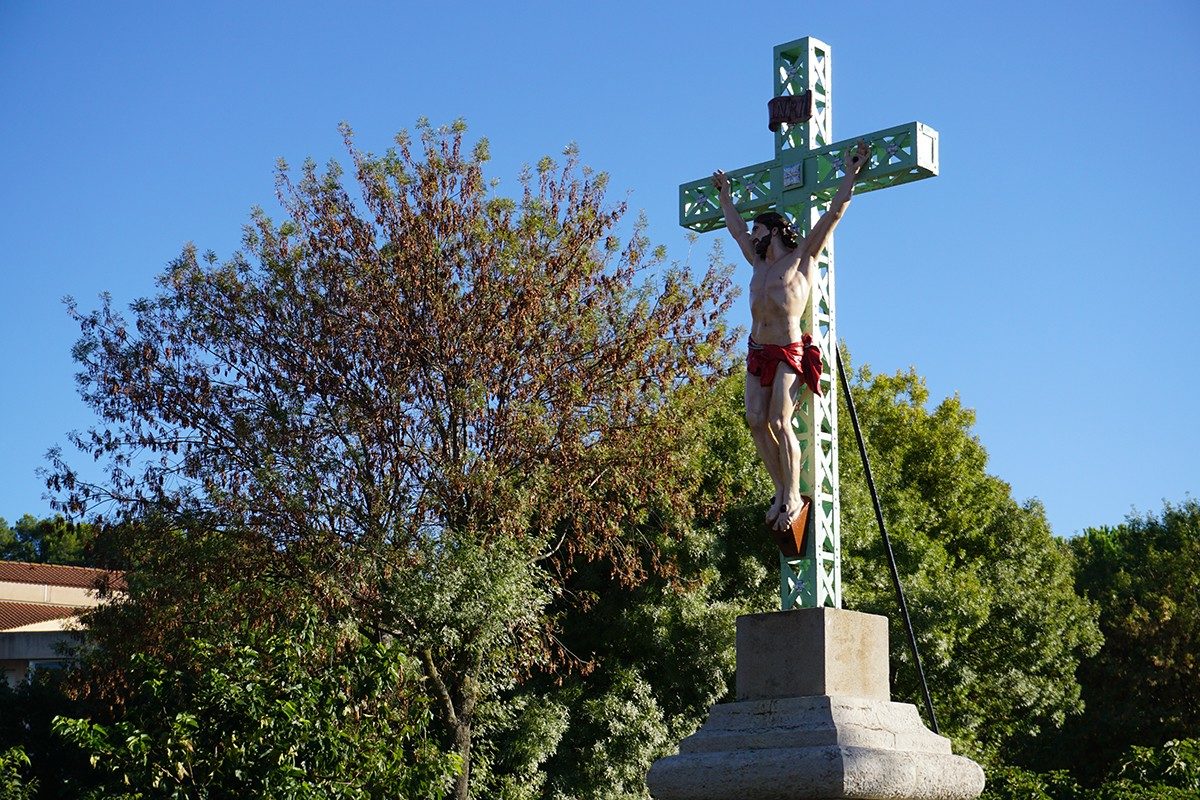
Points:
219	675
13	785
56	769
1169	772
431	404
313	710
53	540
655	655
999	625
1143	687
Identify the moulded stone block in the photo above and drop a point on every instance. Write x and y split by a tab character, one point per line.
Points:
833	748
814	721
812	651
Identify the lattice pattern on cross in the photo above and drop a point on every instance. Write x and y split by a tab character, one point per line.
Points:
800	181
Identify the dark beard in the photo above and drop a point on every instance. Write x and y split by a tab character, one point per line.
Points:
761	246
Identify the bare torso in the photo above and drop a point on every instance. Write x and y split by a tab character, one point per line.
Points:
779	297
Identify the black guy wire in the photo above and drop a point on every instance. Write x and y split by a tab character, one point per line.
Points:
887	543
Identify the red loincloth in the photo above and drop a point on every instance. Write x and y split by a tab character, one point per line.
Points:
803	356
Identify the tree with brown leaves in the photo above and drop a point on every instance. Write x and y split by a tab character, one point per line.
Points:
428	403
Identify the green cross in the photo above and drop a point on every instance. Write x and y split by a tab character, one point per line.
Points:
800	181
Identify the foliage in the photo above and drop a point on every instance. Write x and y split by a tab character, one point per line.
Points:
214	648
1143	688
1015	783
489	433
27	711
1170	772
652	657
990	590
188	582
53	540
1127	790
1176	763
314	711
428	406
13	785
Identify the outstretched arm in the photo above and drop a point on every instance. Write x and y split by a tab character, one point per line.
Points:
820	232
733	220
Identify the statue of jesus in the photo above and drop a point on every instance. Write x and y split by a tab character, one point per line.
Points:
782	356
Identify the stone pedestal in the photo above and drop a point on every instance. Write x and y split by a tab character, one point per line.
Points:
813	719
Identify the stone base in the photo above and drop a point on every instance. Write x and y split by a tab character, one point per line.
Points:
815	747
812	652
796	733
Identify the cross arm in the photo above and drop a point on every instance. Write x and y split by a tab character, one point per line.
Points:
754	189
899	155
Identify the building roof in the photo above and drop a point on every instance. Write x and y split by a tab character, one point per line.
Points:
17	615
59	575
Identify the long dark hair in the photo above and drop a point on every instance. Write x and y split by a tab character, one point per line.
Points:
787	234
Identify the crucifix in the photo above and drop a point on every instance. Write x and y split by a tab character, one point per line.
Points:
801	181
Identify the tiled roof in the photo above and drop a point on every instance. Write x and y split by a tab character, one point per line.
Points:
16	615
58	575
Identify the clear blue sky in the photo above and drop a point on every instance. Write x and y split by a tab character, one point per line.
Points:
1048	276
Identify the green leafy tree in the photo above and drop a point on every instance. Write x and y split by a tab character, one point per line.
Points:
14	785
189	582
54	768
8	542
1015	783
991	592
314	710
650	658
429	405
219	674
1143	687
990	589
1169	772
1175	764
53	540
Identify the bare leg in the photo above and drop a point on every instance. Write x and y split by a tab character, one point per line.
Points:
758	402
779	415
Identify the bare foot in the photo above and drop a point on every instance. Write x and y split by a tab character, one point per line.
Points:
773	511
789	512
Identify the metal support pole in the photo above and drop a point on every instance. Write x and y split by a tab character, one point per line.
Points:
887	542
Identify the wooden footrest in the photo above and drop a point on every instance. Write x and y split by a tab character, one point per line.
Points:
791	542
